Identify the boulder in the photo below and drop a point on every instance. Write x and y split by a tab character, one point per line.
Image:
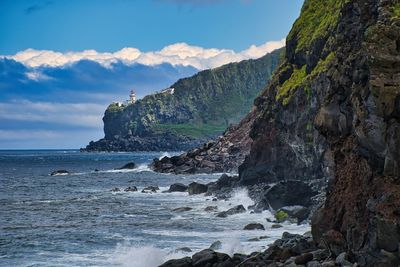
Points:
131	189
304	258
182	209
216	245
276	226
184	262
211	208
289	193
208	257
128	166
115	189
184	249
300	213
235	210
150	189
178	187
196	188
60	173
254	226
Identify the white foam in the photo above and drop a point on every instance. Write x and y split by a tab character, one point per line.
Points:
147	256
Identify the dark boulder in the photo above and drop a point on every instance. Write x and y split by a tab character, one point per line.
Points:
289	193
115	189
254	226
183	249
216	245
60	173
150	189
196	188
235	210
184	262
300	213
131	189
208	257
178	187
128	166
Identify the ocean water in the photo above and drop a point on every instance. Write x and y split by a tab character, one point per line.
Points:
76	220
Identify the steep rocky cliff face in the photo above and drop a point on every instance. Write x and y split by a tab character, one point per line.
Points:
199	108
332	112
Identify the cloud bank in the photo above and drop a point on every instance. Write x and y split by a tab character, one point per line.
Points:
175	54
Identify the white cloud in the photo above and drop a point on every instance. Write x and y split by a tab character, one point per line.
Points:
175	54
88	115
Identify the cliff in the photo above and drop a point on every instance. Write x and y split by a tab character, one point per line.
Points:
330	116
332	112
199	108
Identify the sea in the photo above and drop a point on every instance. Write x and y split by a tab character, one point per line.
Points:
77	220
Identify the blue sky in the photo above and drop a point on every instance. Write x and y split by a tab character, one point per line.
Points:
62	62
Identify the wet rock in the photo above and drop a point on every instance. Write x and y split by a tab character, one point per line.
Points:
115	189
131	189
300	213
216	245
276	226
342	260
328	264
235	210
196	188
254	226
128	166
182	209
150	189
211	208
60	173
184	262
304	258
208	257
289	193
178	187
184	249
313	264
255	239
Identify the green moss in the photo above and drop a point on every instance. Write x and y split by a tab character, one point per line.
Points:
322	65
285	91
281	216
396	11
318	17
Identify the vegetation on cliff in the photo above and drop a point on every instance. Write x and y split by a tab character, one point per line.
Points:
199	107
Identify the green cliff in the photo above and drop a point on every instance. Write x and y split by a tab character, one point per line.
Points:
200	107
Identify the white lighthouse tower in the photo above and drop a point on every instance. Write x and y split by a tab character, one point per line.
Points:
132	97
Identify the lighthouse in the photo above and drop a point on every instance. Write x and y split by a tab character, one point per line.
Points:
132	97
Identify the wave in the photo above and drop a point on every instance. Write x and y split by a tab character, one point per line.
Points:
147	256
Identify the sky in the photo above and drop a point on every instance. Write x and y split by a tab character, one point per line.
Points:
63	62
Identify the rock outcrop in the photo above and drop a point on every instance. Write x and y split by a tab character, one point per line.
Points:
224	155
332	113
191	112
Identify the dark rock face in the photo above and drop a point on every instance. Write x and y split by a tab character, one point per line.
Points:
128	166
59	173
300	213
196	188
201	107
235	210
223	155
289	193
332	113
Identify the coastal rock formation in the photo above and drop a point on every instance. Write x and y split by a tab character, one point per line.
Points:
224	155
332	113
330	117
190	112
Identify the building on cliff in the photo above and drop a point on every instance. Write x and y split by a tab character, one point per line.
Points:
132	98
